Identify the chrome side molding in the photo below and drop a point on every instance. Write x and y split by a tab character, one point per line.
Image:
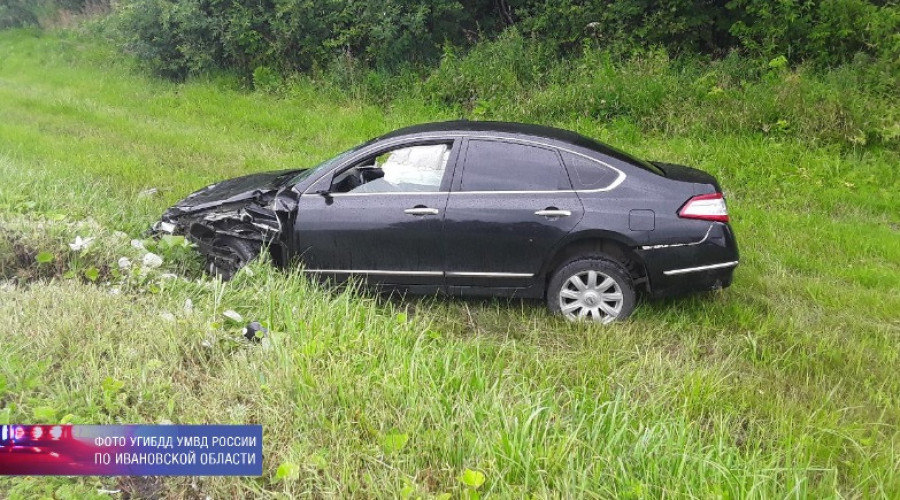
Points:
471	274
674	272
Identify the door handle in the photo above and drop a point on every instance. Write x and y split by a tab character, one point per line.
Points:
553	212
421	211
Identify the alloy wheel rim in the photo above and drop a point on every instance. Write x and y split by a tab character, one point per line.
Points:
591	295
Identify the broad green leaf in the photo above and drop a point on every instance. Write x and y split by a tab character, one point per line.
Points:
472	478
92	273
317	461
407	491
393	442
44	257
287	470
44	414
110	384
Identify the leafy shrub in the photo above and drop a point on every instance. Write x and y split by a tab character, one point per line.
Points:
176	38
20	13
682	25
504	68
514	78
173	38
828	32
16	13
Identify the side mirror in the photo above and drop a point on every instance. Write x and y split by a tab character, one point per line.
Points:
325	193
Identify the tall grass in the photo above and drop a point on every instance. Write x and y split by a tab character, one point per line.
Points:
783	385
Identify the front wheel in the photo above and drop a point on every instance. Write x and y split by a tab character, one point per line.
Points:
233	254
591	289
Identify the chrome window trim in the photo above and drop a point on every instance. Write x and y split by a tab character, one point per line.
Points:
360	155
674	272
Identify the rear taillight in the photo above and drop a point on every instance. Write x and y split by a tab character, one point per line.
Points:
705	207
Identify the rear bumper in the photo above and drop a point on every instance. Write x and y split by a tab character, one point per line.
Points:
707	264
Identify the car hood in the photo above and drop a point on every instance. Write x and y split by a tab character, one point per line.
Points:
232	191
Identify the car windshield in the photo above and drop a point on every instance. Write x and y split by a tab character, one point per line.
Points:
325	165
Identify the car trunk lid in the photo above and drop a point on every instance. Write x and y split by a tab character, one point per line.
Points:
688	174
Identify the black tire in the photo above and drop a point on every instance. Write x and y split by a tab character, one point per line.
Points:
600	301
239	253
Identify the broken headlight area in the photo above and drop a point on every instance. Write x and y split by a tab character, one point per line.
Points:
227	236
232	221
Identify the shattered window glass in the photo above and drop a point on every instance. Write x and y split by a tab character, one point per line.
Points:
412	169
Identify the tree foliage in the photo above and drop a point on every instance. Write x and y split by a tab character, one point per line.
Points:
179	37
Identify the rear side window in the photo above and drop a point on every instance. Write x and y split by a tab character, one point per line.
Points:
587	173
506	166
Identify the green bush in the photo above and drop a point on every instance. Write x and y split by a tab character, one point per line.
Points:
682	25
173	38
176	38
515	78
827	32
16	13
21	13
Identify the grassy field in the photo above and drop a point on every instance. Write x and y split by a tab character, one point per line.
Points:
784	385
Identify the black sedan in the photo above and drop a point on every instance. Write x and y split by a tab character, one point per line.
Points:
478	208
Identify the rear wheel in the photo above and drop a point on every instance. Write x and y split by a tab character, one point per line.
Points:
594	289
235	253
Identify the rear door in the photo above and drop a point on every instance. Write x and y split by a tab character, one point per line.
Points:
511	202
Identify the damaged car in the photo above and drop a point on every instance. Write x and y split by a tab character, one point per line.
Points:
477	208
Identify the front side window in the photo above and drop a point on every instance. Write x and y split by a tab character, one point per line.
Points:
506	166
410	169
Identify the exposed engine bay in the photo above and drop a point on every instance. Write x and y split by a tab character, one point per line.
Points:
231	222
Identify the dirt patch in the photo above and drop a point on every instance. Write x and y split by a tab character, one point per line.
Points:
145	487
19	262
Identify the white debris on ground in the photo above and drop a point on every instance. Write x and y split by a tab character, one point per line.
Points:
233	315
80	243
152	261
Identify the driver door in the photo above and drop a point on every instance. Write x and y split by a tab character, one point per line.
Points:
381	216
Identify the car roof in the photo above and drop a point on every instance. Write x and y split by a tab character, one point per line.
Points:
466	127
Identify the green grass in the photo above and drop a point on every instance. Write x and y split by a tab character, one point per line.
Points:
783	385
